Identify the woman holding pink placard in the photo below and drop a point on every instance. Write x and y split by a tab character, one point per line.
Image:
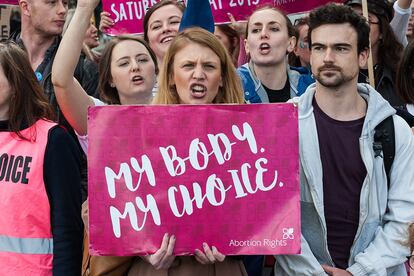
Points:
196	70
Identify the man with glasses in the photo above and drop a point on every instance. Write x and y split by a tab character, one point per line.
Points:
398	15
386	39
386	48
301	50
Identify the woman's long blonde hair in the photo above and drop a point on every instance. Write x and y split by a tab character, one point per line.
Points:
230	92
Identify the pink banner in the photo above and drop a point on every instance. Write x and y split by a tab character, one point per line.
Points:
129	15
227	175
9	2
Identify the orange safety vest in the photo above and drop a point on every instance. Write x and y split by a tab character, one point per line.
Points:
26	242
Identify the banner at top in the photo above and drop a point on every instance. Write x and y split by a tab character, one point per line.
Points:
9	2
129	15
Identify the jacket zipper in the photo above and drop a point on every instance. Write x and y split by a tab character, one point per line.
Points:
325	242
364	219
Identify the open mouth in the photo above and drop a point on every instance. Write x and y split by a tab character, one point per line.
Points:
264	48
167	39
198	90
137	79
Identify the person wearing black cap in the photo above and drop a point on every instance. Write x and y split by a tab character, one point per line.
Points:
386	49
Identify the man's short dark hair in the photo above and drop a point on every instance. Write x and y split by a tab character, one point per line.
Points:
340	14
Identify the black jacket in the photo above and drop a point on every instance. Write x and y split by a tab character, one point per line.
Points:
385	85
86	73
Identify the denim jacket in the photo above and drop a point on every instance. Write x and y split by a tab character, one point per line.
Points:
254	92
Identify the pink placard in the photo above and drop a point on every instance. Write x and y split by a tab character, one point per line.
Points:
129	15
227	175
9	2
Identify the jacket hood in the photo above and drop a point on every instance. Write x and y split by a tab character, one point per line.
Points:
378	108
293	76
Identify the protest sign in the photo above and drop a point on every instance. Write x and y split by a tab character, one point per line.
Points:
5	13
9	2
129	15
227	175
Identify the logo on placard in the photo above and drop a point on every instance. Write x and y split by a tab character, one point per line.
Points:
288	233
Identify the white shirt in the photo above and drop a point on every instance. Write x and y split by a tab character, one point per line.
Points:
83	140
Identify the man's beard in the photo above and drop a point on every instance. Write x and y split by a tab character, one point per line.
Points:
334	81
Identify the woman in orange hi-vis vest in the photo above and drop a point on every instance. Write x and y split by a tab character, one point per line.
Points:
40	224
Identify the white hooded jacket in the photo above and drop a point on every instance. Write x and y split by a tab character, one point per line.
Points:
378	247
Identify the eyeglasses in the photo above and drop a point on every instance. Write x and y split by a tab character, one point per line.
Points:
411	261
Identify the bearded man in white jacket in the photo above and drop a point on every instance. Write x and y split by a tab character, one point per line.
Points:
353	221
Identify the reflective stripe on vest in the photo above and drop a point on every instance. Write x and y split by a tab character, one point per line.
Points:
26	240
26	245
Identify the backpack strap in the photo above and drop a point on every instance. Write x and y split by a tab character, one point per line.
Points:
384	141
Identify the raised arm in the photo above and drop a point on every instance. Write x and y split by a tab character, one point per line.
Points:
72	98
399	23
404	4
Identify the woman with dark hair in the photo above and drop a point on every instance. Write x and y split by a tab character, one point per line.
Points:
161	23
127	73
405	78
270	37
405	84
386	50
40	224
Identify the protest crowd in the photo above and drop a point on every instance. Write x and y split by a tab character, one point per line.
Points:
350	77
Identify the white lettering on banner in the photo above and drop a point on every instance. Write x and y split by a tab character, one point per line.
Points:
216	4
125	171
245	243
131	212
246	179
284	2
241	3
214	140
246	135
184	199
176	165
253	243
213	183
131	10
